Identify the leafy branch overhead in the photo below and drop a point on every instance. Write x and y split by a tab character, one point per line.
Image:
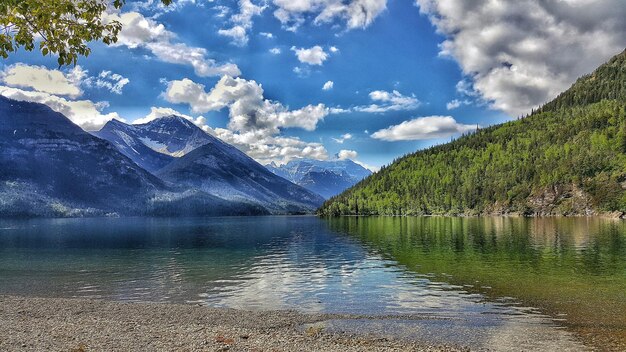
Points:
61	27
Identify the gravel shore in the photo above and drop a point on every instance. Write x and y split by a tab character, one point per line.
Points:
57	324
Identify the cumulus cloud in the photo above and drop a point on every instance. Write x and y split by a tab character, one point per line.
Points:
430	127
248	108
141	32
328	85
60	90
84	113
514	50
347	154
311	56
275	51
242	22
266	148
343	138
355	13
41	79
255	122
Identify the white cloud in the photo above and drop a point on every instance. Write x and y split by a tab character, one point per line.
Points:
84	113
343	138
521	54
59	90
302	71
347	154
242	22
255	122
157	8
389	101
383	101
453	104
333	49
275	51
271	148
41	79
355	13
328	85
108	80
140	32
430	127
311	56
267	35
456	103
249	110
222	11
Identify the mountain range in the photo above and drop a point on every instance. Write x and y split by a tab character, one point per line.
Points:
324	177
566	158
169	166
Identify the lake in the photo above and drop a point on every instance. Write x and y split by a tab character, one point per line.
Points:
513	283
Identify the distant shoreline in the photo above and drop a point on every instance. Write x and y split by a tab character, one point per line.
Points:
614	216
56	324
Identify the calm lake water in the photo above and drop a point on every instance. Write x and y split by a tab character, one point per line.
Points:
506	282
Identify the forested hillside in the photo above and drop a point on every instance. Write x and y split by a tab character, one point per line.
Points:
567	158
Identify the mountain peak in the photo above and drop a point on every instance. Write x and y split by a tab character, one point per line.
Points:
152	144
170	121
115	124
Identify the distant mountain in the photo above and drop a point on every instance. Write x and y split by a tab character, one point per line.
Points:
179	152
324	177
567	158
223	170
155	144
51	167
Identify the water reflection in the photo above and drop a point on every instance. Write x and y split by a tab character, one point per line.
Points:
572	269
492	277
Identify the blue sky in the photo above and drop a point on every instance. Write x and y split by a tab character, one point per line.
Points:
405	75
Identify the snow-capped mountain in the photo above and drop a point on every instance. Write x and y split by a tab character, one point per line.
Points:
179	152
223	170
155	144
51	167
324	177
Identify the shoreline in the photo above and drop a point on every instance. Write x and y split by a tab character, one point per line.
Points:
34	323
603	215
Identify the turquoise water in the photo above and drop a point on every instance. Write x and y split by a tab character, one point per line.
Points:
482	276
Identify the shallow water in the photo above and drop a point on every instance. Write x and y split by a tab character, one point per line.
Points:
537	283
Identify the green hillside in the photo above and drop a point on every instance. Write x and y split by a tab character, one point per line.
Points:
567	158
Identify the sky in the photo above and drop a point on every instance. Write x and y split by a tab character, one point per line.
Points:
367	80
